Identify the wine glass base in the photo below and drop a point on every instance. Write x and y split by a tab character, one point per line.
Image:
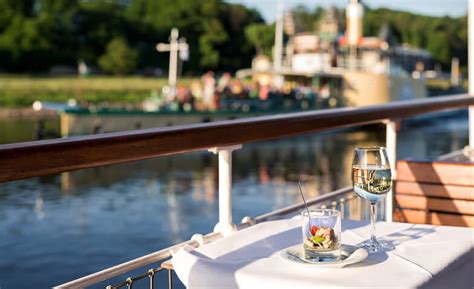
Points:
375	246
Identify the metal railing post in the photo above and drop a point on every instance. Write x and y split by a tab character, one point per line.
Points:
391	143
470	50
225	225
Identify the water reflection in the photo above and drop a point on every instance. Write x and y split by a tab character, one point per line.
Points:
23	129
65	226
39	207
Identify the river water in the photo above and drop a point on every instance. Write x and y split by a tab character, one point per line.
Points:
58	228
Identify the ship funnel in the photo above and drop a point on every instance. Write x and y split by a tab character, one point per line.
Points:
354	16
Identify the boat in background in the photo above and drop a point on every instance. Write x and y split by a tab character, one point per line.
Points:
358	70
320	69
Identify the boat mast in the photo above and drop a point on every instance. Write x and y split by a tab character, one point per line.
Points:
173	48
354	29
278	49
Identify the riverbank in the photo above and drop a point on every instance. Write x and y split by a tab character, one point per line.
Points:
26	112
22	91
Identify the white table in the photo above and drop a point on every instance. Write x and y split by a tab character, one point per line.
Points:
425	256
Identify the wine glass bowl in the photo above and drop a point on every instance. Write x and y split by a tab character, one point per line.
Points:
372	180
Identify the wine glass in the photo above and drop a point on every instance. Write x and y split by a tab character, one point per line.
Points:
372	180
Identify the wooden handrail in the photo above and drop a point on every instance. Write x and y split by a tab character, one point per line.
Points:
32	159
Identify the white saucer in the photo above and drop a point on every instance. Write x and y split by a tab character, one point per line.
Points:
349	255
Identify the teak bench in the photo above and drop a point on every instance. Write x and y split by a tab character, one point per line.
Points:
438	193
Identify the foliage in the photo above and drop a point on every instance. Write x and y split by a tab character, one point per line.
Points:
213	34
262	36
235	18
118	58
38	34
306	19
443	37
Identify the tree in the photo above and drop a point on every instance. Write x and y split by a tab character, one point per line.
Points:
214	29
22	38
118	58
443	37
236	52
306	20
38	34
212	35
262	37
437	45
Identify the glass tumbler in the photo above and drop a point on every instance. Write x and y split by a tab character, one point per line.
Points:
321	230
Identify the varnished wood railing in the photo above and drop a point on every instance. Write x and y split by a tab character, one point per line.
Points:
31	159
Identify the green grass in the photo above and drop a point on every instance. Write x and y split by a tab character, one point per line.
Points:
22	91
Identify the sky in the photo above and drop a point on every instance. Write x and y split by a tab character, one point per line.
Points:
452	8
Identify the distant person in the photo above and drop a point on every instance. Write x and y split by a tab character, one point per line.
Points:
189	103
324	92
82	68
209	84
253	90
197	93
223	82
237	88
264	92
97	129
40	130
183	96
179	97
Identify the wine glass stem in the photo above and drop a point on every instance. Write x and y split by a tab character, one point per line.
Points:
372	223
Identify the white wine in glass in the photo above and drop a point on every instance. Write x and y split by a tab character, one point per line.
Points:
372	180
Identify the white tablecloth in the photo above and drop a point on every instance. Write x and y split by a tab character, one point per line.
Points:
425	256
